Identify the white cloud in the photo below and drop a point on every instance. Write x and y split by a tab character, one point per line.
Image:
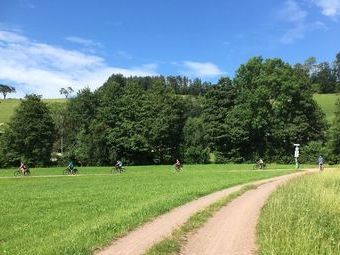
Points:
83	41
293	14
293	34
35	67
124	55
201	69
329	8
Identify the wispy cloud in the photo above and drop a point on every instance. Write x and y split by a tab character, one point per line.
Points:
41	68
293	14
330	8
83	41
123	54
200	69
28	4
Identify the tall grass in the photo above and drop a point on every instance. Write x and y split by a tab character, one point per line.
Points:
303	217
76	214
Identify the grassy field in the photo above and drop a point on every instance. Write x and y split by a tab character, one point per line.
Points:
76	214
303	217
327	103
7	107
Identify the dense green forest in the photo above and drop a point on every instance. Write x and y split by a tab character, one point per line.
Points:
266	108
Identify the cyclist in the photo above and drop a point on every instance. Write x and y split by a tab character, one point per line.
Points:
320	162
261	163
23	168
178	165
70	167
119	166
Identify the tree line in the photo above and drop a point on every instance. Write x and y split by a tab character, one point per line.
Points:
325	76
266	108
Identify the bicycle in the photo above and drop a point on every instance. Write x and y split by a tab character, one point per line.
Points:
259	166
69	171
19	172
321	167
178	167
118	169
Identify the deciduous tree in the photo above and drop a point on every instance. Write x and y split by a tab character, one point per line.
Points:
30	134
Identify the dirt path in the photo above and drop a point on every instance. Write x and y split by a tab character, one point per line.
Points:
141	239
232	230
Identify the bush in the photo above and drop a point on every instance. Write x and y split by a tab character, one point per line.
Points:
311	152
196	154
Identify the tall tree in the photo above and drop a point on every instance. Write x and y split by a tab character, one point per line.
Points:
80	113
281	111
30	134
219	100
336	67
310	65
66	91
195	149
325	78
5	89
59	114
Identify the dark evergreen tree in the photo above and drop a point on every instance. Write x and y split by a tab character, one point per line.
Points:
219	100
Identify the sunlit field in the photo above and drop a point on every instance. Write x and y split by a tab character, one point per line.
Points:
303	217
327	103
48	213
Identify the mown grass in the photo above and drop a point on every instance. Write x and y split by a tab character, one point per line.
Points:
327	104
77	214
303	217
174	243
146	169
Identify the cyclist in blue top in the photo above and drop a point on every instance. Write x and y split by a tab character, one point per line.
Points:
321	162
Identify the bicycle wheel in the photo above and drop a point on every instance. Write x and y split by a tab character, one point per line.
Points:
255	167
65	172
17	173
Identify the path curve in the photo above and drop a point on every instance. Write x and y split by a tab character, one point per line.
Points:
140	240
232	230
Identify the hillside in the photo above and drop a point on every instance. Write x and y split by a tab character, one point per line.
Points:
327	103
7	107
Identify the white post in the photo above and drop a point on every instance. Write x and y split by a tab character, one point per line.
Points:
296	155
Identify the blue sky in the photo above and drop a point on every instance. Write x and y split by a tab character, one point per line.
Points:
46	45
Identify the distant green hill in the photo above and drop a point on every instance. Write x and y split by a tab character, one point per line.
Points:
7	107
327	103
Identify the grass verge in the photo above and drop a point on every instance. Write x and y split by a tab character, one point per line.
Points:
173	244
303	217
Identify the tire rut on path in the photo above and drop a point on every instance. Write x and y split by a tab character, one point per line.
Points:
140	240
232	230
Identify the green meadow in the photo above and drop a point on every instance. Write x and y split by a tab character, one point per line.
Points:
8	106
47	213
303	217
327	103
